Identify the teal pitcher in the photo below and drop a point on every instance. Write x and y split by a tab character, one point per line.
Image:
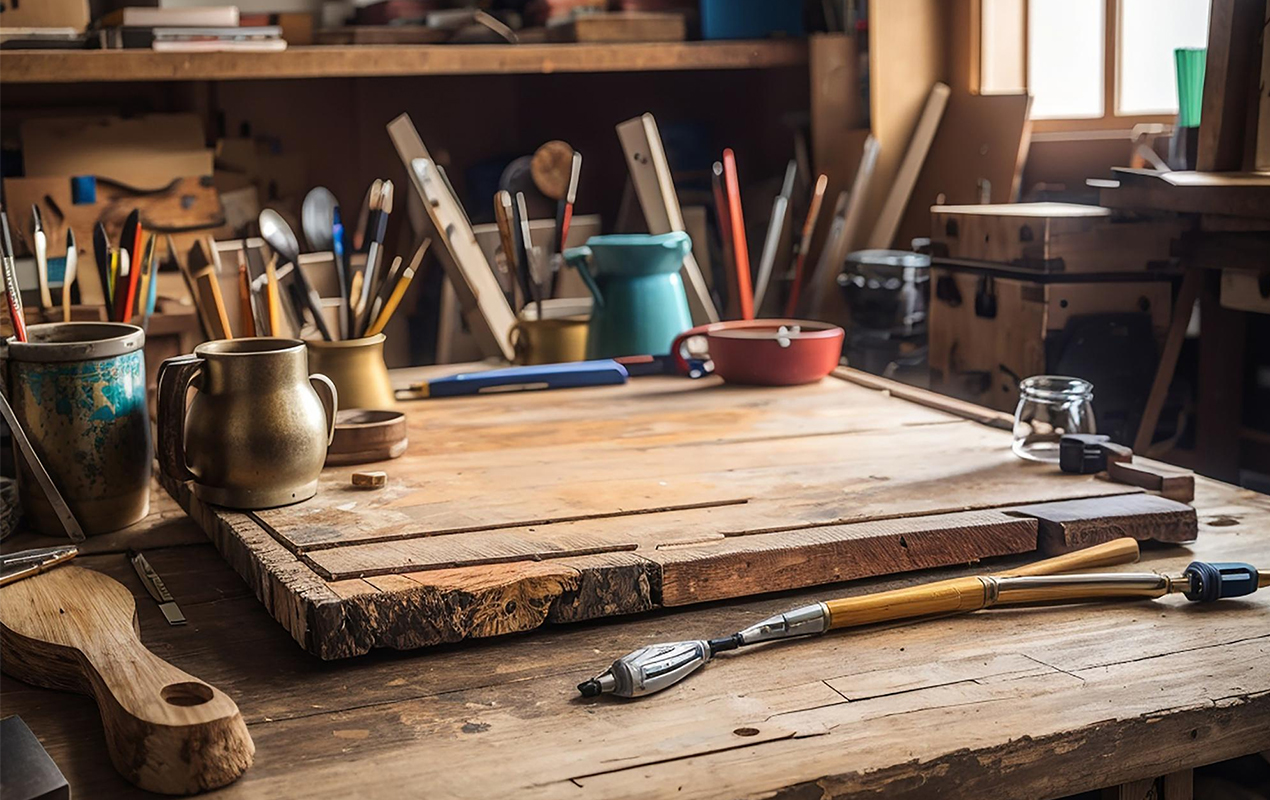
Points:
640	304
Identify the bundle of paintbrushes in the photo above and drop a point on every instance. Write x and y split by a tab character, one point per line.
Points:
536	270
126	272
276	294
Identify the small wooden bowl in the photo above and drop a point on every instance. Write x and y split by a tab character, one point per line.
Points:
365	435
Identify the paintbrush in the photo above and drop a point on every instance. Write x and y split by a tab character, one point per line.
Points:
152	270
724	219
12	291
274	296
740	250
380	299
341	266
68	275
394	300
371	202
375	253
246	319
564	216
524	243
39	243
503	216
804	243
148	295
101	257
775	230
129	267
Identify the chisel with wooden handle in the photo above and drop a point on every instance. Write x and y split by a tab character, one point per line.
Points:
655	667
75	629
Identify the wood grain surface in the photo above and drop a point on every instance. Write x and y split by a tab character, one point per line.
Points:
166	731
572	505
49	66
1014	703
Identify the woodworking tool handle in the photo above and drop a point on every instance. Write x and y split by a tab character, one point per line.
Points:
962	594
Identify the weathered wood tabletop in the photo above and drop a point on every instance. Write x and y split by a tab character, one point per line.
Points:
1026	703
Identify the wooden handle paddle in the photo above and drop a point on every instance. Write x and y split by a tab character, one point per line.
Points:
966	594
75	629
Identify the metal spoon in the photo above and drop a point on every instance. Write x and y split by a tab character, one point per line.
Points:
319	216
316	215
281	238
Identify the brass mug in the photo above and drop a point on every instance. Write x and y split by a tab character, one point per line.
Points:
356	367
560	336
256	432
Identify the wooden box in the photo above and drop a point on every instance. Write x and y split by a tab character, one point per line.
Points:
1051	237
990	328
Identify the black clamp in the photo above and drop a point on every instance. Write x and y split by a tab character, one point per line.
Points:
1086	453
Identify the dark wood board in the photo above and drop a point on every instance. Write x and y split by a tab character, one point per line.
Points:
507	512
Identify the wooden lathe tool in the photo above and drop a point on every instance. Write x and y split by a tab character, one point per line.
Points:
75	629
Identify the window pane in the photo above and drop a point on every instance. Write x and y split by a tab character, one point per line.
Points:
1065	58
1149	31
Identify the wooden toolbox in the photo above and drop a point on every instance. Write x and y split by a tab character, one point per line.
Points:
510	511
988	328
1052	237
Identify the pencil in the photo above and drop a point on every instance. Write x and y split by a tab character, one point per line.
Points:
273	296
804	244
393	301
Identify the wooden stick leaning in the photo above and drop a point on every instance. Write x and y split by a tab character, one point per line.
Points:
650	175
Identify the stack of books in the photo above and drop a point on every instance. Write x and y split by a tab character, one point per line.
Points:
202	29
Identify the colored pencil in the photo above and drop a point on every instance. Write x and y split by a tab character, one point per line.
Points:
394	300
804	243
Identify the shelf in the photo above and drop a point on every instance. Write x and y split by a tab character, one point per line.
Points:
351	61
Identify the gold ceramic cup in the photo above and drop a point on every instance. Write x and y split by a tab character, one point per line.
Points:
356	367
257	428
560	336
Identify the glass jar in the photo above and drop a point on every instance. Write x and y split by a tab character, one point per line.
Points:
1049	407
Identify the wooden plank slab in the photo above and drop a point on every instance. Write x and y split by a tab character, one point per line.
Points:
1072	524
564	506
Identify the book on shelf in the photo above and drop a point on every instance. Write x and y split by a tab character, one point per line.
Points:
194	16
264	38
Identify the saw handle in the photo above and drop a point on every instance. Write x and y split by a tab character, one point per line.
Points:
966	594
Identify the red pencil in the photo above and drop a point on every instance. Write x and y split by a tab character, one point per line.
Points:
740	251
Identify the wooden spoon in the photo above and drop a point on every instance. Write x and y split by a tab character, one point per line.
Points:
166	731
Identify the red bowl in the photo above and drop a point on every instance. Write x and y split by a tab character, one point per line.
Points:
767	352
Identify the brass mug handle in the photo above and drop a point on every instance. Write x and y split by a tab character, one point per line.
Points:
325	389
175	376
520	342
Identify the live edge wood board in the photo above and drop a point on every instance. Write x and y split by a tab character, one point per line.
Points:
510	511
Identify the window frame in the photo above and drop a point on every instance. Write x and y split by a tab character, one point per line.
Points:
1110	120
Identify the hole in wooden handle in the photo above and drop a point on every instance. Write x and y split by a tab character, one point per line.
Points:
186	694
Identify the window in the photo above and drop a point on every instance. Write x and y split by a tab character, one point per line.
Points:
1089	64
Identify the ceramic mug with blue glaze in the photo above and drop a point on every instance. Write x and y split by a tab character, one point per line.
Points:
79	392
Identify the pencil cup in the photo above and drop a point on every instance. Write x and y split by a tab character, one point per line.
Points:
560	336
356	367
79	391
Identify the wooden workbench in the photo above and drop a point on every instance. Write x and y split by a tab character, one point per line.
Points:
1011	703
